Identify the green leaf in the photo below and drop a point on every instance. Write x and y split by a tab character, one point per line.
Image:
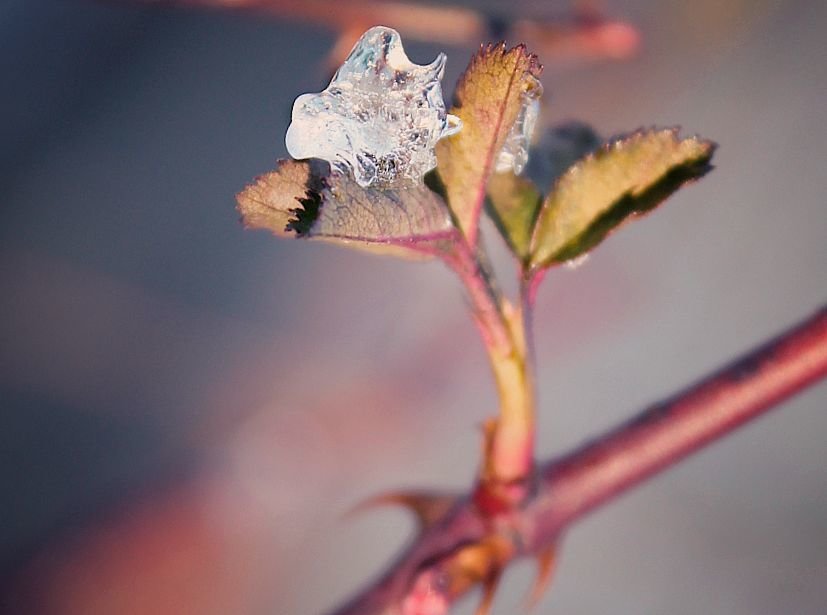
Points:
513	203
627	176
301	198
488	98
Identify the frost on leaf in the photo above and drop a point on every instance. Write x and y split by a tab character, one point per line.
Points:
302	198
627	176
380	117
490	98
514	153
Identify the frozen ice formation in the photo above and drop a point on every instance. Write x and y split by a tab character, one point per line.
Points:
577	261
379	118
514	154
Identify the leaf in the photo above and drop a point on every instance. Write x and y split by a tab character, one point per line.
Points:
302	198
513	203
627	176
273	200
488	98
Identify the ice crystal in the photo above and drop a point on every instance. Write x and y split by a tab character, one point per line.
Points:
577	261
514	154
379	118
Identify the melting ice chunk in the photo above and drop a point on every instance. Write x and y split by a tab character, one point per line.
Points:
379	118
577	261
514	154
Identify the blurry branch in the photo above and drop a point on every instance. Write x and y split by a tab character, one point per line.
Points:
463	548
585	35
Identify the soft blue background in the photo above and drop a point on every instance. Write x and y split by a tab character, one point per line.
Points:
146	341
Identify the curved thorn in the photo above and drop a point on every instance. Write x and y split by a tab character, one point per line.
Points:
489	589
427	507
545	569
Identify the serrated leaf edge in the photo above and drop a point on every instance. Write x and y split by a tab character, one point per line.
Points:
612	144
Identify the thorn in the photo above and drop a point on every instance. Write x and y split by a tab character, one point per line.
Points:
481	563
489	589
428	508
545	570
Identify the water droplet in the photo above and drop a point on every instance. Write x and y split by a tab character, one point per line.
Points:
379	118
514	154
577	261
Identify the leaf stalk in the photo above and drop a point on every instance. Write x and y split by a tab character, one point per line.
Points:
508	462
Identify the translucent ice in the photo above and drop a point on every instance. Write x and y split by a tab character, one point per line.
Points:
577	261
379	118
514	154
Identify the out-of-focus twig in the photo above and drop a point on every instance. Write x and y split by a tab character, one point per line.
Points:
584	36
466	543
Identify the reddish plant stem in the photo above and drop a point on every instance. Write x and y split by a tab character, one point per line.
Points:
442	23
528	296
673	429
486	301
509	450
581	35
572	486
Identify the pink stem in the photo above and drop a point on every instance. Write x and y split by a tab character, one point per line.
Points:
484	299
673	429
572	486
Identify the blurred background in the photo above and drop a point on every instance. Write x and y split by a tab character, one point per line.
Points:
187	410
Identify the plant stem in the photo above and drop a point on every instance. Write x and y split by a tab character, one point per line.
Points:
510	451
673	429
487	302
509	458
578	483
528	289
